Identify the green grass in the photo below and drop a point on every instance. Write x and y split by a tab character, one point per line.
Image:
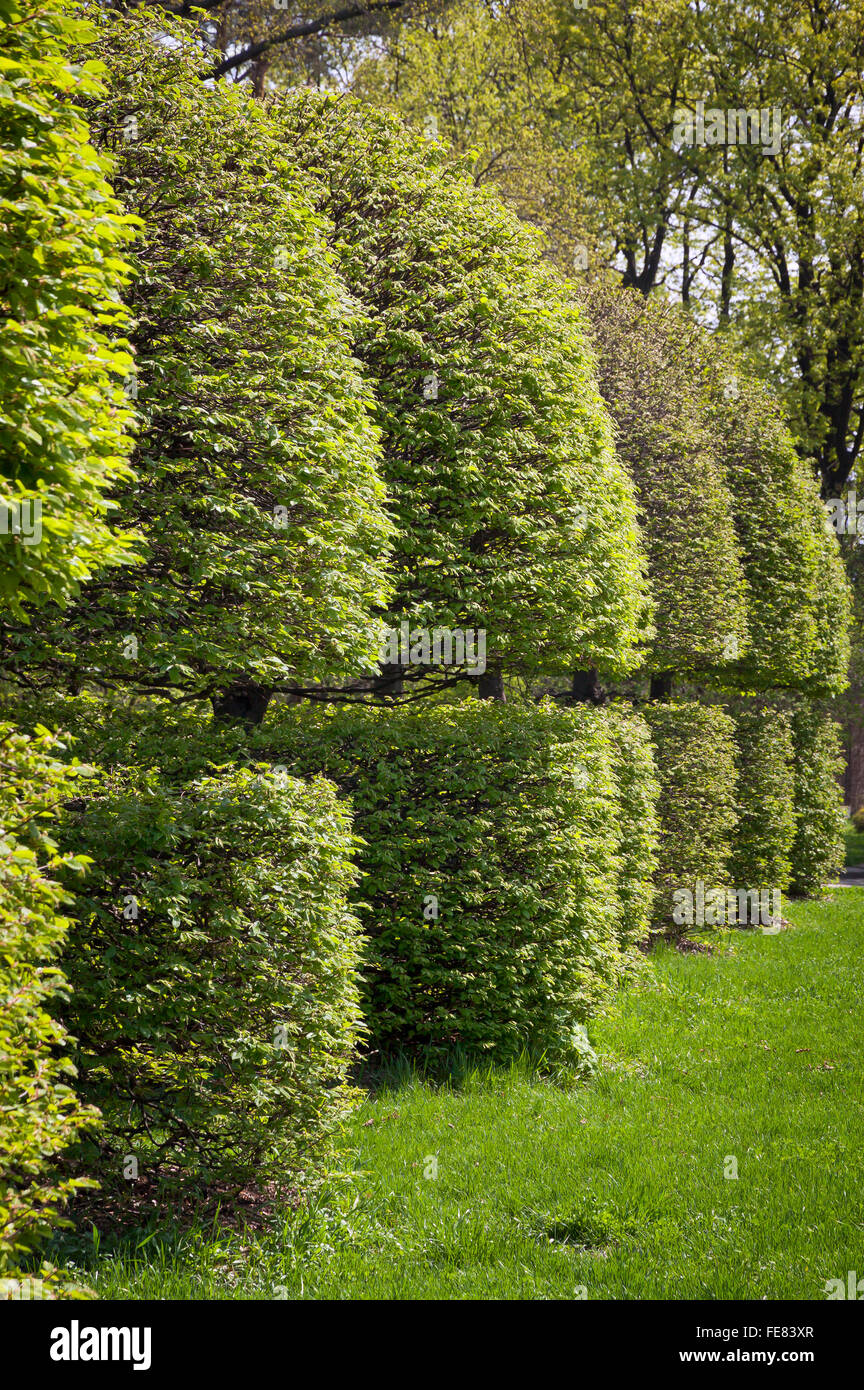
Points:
617	1185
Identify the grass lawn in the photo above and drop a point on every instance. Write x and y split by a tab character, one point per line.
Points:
616	1186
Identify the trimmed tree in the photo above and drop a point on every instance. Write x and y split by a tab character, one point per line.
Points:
63	413
649	376
257	498
513	515
798	604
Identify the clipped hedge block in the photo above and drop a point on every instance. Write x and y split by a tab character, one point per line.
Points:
638	791
694	748
818	850
491	866
213	966
39	1111
764	758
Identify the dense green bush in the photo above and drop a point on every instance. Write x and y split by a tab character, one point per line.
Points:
513	513
491	863
695	755
39	1111
63	444
63	413
257	496
638	791
212	962
765	796
818	848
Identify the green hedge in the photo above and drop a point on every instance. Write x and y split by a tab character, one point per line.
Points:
39	1111
648	379
638	791
818	851
513	513
63	413
213	963
256	497
695	753
764	757
491	867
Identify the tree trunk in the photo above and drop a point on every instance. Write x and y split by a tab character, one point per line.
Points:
490	686
390	681
661	685
259	78
586	688
244	702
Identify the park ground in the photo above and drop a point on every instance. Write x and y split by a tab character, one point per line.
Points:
746	1061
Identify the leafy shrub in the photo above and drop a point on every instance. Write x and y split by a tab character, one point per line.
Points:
513	513
638	790
63	413
490	867
213	961
818	850
765	799
39	1111
858	820
694	748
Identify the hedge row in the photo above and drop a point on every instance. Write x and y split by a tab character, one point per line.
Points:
818	847
695	752
507	866
39	1108
765	762
501	897
750	799
212	961
638	823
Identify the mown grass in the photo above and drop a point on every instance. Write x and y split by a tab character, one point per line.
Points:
616	1186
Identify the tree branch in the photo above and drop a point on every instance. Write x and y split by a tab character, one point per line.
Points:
302	30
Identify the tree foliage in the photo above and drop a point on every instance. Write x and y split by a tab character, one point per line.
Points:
649	375
512	512
64	418
798	608
256	492
40	1112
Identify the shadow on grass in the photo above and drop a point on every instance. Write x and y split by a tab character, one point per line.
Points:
462	1070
